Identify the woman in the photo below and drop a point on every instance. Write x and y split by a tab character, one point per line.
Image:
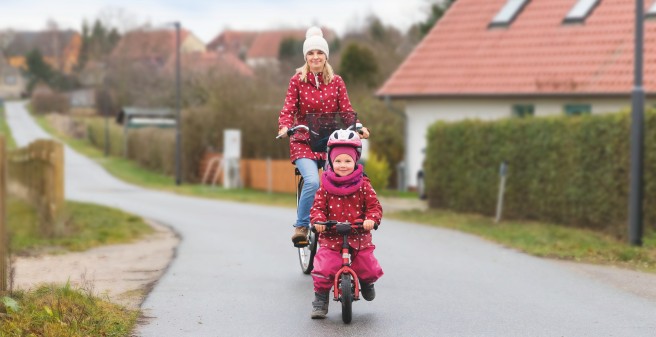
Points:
314	88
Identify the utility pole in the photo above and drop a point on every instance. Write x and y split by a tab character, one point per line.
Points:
637	133
178	145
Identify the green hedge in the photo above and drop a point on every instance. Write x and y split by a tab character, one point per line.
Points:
568	170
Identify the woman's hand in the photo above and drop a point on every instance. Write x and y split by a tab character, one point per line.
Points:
320	228
282	133
368	225
365	133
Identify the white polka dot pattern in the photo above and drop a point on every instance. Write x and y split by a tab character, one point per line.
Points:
303	98
362	204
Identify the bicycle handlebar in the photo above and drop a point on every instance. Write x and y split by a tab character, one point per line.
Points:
358	127
293	130
334	223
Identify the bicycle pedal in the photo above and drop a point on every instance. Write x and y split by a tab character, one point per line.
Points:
301	244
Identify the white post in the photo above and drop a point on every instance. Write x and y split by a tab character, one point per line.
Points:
502	187
231	156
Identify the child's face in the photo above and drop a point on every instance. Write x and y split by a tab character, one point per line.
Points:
343	165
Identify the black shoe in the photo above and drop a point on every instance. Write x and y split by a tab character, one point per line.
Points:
368	291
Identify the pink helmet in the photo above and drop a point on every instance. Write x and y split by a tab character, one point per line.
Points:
344	138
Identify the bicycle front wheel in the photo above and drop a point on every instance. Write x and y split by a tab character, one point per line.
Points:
346	283
306	254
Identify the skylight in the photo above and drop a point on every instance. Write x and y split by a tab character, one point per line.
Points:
652	11
508	13
581	10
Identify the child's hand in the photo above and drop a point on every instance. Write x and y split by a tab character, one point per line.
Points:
320	228
368	224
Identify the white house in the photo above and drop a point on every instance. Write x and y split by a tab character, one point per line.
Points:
492	59
12	83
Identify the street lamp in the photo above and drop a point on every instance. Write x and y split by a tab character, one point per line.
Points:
637	134
178	168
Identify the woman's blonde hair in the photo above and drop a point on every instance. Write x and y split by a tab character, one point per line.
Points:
328	72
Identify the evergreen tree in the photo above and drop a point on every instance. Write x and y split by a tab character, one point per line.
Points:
37	69
359	65
437	11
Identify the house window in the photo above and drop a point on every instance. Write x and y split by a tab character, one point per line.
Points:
508	13
651	13
577	109
10	80
523	110
580	11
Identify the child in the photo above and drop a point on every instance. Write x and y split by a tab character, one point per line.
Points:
345	194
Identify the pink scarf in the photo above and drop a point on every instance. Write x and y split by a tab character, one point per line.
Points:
346	185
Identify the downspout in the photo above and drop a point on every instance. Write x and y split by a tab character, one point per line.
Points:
403	182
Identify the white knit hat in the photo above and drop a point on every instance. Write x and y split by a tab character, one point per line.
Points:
314	40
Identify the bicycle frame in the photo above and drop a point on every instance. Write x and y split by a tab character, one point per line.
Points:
344	228
346	268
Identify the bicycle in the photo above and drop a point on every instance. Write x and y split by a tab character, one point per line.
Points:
319	127
346	287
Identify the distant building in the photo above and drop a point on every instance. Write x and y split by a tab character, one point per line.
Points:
202	63
233	42
59	48
492	59
260	48
12	83
155	47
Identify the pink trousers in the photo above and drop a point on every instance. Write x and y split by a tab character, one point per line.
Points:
327	262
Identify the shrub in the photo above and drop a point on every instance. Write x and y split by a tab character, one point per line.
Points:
568	170
378	171
44	102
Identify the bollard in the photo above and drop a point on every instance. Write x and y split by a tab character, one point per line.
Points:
401	178
502	186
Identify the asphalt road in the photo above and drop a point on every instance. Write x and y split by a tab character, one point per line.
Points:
236	274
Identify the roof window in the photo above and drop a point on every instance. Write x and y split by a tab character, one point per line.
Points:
580	11
508	13
651	13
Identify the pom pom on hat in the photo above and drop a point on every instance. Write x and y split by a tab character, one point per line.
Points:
314	41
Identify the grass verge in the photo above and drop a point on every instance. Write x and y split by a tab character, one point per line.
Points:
56	310
63	311
86	226
545	240
4	129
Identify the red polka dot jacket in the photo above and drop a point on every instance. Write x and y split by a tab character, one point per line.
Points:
310	97
363	204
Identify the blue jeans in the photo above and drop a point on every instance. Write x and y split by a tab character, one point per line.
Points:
310	174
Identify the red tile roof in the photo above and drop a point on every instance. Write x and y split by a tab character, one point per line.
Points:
205	62
232	41
536	55
267	44
148	44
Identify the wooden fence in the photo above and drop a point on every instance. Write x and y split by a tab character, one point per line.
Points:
39	170
268	175
258	174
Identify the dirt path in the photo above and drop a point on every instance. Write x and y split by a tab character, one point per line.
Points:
124	273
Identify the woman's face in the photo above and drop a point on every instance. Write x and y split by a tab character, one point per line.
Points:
316	59
343	165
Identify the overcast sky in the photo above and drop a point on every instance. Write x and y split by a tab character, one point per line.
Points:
208	18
